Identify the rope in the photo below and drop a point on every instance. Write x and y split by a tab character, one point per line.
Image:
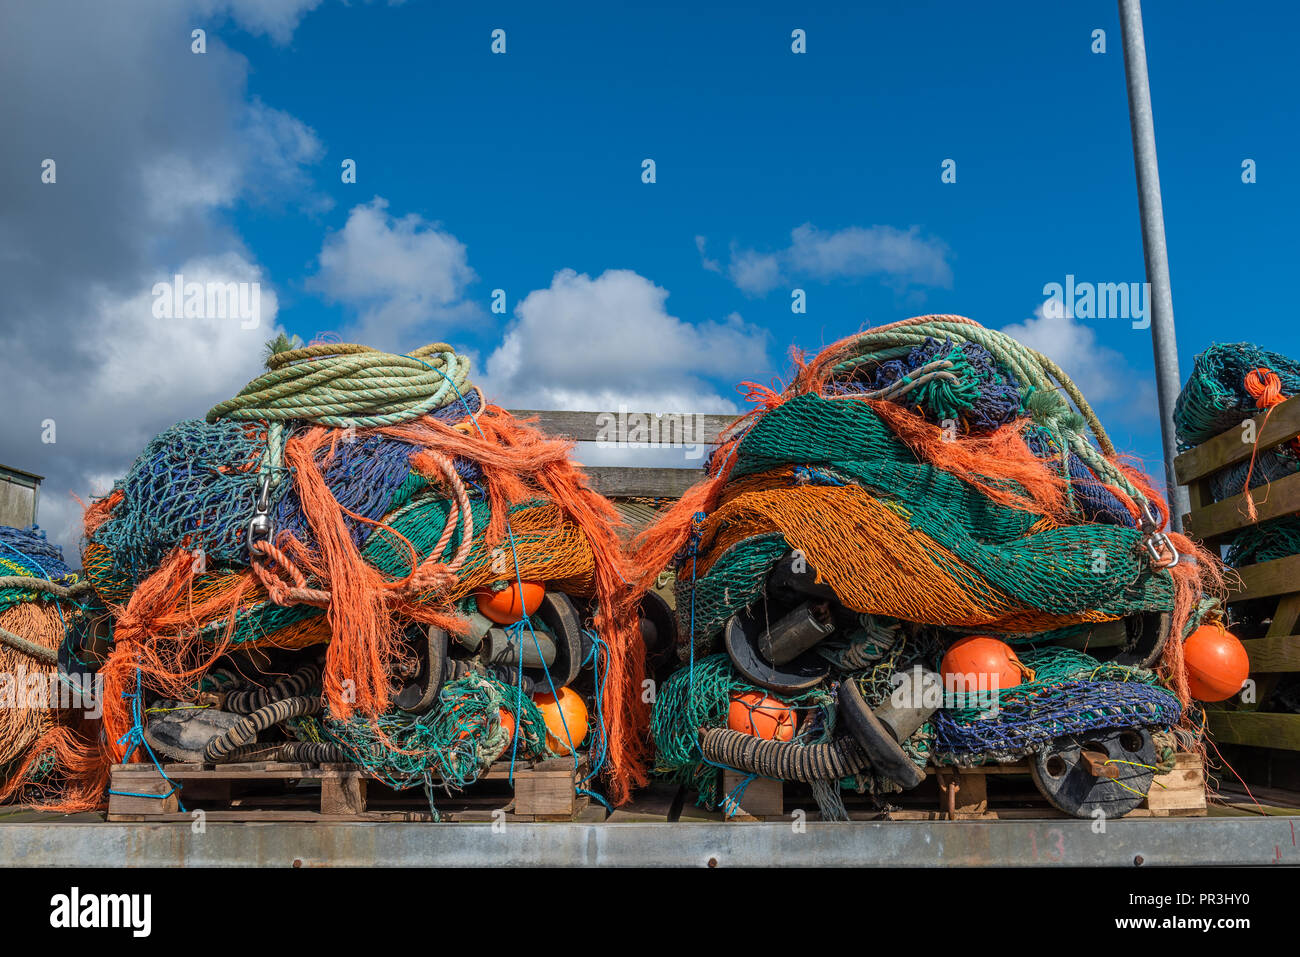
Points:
47	656
349	386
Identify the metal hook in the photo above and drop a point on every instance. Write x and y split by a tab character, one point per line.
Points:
260	526
1157	544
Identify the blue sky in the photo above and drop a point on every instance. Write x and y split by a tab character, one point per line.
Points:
533	159
478	171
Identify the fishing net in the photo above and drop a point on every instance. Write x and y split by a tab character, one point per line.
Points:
348	500
941	480
450	745
1071	693
1217	397
42	713
1230	383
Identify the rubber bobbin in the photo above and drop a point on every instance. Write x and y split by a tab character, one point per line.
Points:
876	740
741	640
429	646
1101	773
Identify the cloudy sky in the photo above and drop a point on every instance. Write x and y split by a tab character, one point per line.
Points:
523	172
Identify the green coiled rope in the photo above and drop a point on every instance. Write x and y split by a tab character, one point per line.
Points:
344	385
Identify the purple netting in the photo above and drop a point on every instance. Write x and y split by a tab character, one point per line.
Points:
1028	722
363	476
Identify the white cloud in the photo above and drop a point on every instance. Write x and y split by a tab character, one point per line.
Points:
900	257
149	373
712	265
154	146
755	273
398	273
596	344
1102	374
276	19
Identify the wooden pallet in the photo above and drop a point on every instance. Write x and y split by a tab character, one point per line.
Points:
996	792
285	792
1268	740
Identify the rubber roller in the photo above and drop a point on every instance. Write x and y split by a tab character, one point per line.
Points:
741	639
501	647
881	733
420	690
787	639
786	760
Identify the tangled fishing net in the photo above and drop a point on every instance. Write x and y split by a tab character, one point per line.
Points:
941	480
1229	384
43	751
279	564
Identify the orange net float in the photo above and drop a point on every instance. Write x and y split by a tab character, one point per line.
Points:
507	606
985	660
566	720
1217	663
762	716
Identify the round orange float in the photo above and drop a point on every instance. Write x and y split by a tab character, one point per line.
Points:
761	715
987	660
507	606
574	713
507	722
1217	663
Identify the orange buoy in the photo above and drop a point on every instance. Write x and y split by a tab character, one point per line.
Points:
507	722
761	715
574	711
505	607
979	662
1217	663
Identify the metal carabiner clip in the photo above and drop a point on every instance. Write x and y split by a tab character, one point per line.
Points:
1154	545
259	526
1157	544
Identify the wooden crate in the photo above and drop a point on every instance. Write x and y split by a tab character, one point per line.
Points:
996	792
1274	738
285	792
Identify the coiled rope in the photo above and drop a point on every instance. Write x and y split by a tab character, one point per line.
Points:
344	385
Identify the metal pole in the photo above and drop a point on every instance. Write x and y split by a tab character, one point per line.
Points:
1161	302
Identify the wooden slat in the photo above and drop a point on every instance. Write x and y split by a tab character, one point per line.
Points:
1278	498
1227	447
1270	655
1256	729
620	482
682	428
1181	789
1278	577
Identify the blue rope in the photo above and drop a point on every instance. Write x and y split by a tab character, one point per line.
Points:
134	739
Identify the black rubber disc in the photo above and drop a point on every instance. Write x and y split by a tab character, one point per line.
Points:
741	638
659	630
561	618
418	695
1066	782
876	741
1147	633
